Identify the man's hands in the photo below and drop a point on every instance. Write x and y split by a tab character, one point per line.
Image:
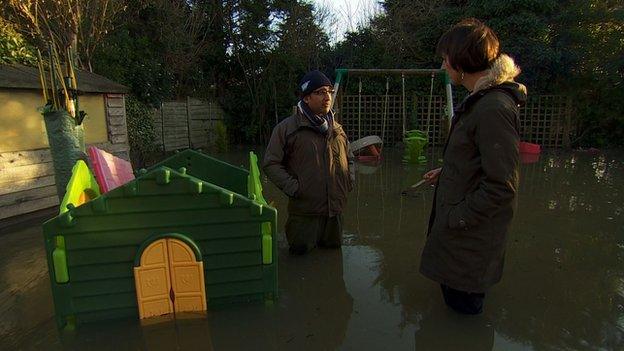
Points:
432	176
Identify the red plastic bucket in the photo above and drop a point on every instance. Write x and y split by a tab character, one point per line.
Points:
527	158
368	158
528	148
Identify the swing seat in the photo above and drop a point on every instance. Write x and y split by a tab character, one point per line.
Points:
367	149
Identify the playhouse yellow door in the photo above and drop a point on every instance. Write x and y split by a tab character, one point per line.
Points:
187	278
152	281
169	279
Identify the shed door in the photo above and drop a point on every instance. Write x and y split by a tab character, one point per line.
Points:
184	279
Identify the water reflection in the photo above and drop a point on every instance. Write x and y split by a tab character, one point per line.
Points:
442	329
553	295
563	285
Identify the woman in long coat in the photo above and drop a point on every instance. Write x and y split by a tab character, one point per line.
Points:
476	187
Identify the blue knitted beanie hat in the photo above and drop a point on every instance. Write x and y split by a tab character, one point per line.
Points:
312	81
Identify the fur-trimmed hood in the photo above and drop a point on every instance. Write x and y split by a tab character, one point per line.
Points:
503	70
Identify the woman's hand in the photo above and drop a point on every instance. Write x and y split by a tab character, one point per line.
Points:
432	176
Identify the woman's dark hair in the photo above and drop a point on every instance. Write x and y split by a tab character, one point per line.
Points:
469	46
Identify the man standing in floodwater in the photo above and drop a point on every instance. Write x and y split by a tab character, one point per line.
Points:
476	187
307	159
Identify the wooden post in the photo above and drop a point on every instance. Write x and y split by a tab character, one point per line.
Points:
188	121
568	123
162	125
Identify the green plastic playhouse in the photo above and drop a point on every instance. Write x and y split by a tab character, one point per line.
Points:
212	208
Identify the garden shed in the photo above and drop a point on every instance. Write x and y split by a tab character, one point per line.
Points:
26	172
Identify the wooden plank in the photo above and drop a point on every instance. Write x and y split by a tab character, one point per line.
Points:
118	139
197	117
199	133
197	108
118	121
174	118
118	130
201	122
24	158
175	129
21	185
201	129
176	144
27	195
178	138
111	95
200	144
177	134
115	111
29	206
15	174
173	112
115	100
174	124
174	109
174	104
200	110
194	132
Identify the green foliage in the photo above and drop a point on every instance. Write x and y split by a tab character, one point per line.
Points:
267	60
13	47
141	134
571	47
249	55
222	142
133	55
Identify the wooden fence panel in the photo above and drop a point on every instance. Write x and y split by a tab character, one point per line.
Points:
27	181
180	125
175	126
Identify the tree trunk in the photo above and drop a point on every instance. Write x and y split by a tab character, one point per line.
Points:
66	142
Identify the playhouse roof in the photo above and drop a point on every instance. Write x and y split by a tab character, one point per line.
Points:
209	169
161	188
24	77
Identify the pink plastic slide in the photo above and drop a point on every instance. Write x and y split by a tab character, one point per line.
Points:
110	171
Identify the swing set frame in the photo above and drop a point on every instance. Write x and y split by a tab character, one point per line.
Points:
342	72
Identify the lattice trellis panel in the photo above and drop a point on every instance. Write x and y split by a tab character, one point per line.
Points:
544	120
368	116
429	114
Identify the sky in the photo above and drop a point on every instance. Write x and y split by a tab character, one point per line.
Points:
346	15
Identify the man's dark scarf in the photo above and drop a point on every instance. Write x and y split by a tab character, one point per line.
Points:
321	123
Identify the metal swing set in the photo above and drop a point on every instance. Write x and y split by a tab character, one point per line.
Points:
368	148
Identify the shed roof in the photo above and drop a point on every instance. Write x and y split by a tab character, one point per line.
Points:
24	77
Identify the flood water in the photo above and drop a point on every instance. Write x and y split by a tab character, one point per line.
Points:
562	288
